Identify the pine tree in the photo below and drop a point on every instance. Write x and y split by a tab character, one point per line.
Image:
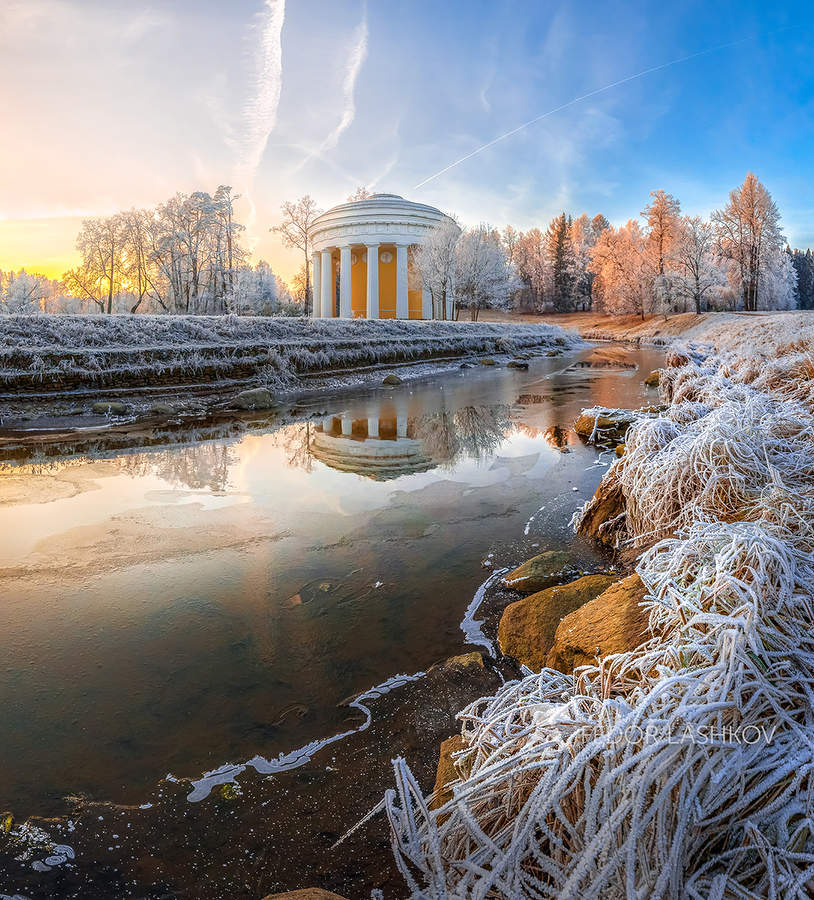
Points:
560	252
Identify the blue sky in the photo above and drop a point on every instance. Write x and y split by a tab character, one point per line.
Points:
116	104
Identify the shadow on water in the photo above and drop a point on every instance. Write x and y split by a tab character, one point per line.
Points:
185	595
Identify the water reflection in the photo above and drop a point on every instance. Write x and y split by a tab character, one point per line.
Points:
389	446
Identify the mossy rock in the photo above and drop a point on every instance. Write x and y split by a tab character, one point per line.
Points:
109	407
255	398
613	622
392	379
539	572
527	627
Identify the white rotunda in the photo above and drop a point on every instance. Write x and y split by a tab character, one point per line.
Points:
363	259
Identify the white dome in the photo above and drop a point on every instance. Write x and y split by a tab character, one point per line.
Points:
378	219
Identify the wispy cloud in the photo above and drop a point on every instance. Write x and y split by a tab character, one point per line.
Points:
356	59
260	110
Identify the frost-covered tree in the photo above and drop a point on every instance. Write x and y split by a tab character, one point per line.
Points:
620	262
693	256
663	218
294	229
530	264
435	261
748	234
803	262
778	284
23	292
481	276
100	275
361	193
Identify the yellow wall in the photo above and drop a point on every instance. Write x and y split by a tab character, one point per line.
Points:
358	284
387	284
414	298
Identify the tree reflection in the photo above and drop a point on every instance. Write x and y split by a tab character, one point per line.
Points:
473	431
195	466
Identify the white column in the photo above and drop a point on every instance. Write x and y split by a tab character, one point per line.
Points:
327	291
372	309
402	299
372	427
426	304
316	286
328	423
347	425
345	309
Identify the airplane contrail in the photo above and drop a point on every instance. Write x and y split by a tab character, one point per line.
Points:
607	87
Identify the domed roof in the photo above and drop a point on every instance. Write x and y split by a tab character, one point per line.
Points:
380	218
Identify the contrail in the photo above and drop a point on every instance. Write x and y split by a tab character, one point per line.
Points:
607	87
260	112
356	58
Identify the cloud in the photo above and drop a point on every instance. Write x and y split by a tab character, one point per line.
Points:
356	58
260	110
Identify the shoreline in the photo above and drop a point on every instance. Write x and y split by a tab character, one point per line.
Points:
745	543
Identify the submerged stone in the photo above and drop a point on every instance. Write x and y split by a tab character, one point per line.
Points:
488	362
653	378
392	379
527	627
516	364
539	572
109	407
447	771
254	398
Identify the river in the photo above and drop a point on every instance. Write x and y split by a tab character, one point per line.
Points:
174	607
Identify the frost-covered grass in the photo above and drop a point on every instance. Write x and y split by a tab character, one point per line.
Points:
38	351
683	769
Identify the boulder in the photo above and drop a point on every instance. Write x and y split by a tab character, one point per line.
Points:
601	424
553	353
392	379
602	517
620	450
162	409
527	627
613	622
539	572
652	379
465	659
467	365
109	407
254	398
305	894
447	772
516	364
488	362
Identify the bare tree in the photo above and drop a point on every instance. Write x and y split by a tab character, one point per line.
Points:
663	216
295	232
694	260
361	193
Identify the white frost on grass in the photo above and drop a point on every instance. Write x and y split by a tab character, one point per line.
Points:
684	769
125	349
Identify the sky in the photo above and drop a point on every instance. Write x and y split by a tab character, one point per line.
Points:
113	104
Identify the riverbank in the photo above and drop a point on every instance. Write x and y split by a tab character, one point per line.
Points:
622	758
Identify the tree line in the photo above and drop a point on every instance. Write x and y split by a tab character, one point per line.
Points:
185	256
188	256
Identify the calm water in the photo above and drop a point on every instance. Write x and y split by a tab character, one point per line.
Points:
185	606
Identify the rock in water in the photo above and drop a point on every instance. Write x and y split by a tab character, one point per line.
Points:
539	572
600	424
109	407
652	379
516	364
162	409
392	379
488	362
614	622
527	627
255	398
